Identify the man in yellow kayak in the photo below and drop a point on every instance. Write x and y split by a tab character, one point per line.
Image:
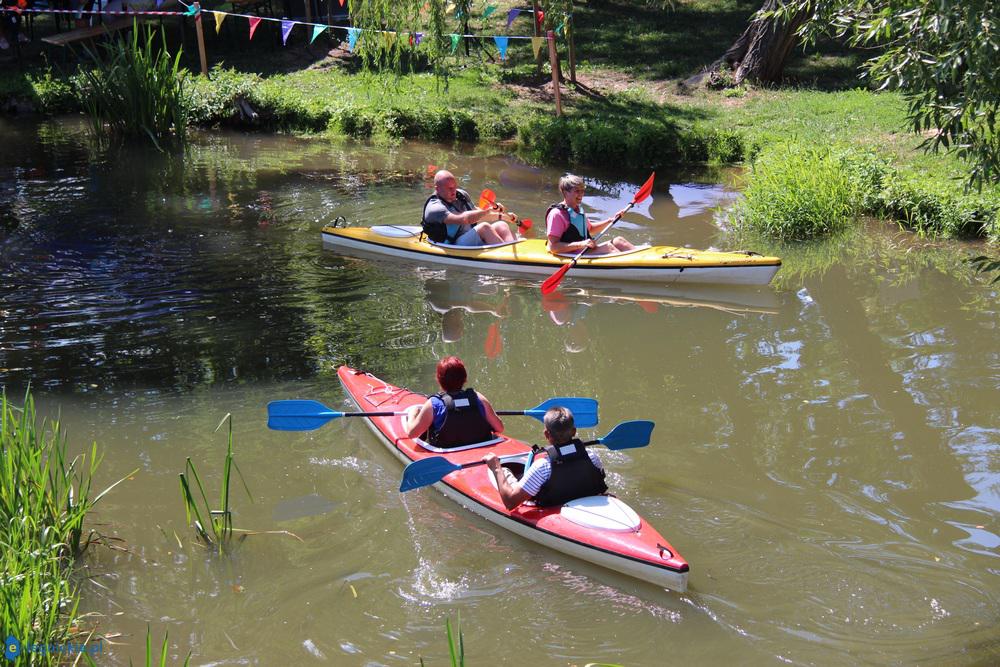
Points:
568	229
451	217
570	470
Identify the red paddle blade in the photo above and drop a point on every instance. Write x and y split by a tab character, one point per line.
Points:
644	191
648	306
525	224
487	198
494	343
552	282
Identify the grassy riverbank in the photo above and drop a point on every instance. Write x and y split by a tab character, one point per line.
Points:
628	109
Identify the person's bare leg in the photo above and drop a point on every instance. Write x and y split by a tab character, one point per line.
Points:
503	231
486	233
622	244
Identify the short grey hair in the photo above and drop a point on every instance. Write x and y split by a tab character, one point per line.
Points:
570	182
560	425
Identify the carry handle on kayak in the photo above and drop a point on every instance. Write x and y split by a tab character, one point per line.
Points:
627	435
306	415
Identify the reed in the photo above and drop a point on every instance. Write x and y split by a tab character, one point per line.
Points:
797	193
136	89
214	527
44	498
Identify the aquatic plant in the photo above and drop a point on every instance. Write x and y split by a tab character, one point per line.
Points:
136	89
796	193
44	498
456	644
217	530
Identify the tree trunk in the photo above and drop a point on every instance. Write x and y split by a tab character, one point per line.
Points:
758	54
768	44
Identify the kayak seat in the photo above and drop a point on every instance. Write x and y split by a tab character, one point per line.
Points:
429	447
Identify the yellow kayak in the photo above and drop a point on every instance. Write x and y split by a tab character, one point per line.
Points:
665	265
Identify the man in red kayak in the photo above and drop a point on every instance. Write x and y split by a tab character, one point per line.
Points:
570	470
455	416
568	229
451	217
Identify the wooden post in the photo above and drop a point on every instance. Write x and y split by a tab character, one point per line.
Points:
201	39
554	62
571	46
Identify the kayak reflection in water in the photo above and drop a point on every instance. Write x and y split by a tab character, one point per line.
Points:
570	470
454	417
568	229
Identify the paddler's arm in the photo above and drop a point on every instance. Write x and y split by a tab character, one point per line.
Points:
417	422
491	415
472	217
511	494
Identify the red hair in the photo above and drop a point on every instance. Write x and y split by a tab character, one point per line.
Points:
451	374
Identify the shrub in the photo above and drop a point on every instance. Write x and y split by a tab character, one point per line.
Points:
796	193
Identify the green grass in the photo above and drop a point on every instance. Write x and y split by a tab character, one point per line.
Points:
44	498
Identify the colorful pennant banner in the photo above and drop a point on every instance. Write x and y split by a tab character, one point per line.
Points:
219	18
511	15
352	38
286	29
501	43
254	22
536	45
317	31
454	42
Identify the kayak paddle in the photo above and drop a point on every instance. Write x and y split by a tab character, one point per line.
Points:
306	415
488	199
494	343
553	281
627	435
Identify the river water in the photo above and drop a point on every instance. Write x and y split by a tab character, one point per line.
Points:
825	453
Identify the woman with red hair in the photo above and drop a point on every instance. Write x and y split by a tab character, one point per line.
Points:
454	417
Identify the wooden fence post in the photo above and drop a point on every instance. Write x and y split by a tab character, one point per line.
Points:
201	39
571	46
554	62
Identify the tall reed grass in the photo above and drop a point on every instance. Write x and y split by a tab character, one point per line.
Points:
44	498
136	89
214	527
797	193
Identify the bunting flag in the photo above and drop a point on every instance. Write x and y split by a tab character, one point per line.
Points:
559	28
219	18
317	31
286	30
501	43
341	3
454	42
540	17
254	22
388	38
489	10
536	45
417	36
511	15
352	38
159	3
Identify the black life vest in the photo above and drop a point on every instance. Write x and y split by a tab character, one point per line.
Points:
438	231
464	423
572	233
574	476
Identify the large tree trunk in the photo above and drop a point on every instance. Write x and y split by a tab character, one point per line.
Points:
759	54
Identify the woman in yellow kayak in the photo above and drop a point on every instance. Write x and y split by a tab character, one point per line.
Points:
568	229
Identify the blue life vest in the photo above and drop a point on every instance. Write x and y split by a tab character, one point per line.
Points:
578	230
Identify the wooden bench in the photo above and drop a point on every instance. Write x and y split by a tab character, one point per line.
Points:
90	32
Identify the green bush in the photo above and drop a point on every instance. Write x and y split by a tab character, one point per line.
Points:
796	193
215	101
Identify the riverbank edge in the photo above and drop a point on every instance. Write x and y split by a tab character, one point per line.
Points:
614	140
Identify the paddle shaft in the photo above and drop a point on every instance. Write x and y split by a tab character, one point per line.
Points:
332	413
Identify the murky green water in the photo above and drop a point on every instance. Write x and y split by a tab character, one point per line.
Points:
825	456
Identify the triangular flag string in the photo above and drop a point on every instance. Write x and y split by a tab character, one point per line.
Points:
254	22
286	29
317	31
219	18
488	11
536	45
501	43
511	15
352	38
454	42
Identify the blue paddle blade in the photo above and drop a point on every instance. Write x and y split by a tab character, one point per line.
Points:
298	415
628	435
584	410
426	471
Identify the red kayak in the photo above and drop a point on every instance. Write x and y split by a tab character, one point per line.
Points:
598	529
